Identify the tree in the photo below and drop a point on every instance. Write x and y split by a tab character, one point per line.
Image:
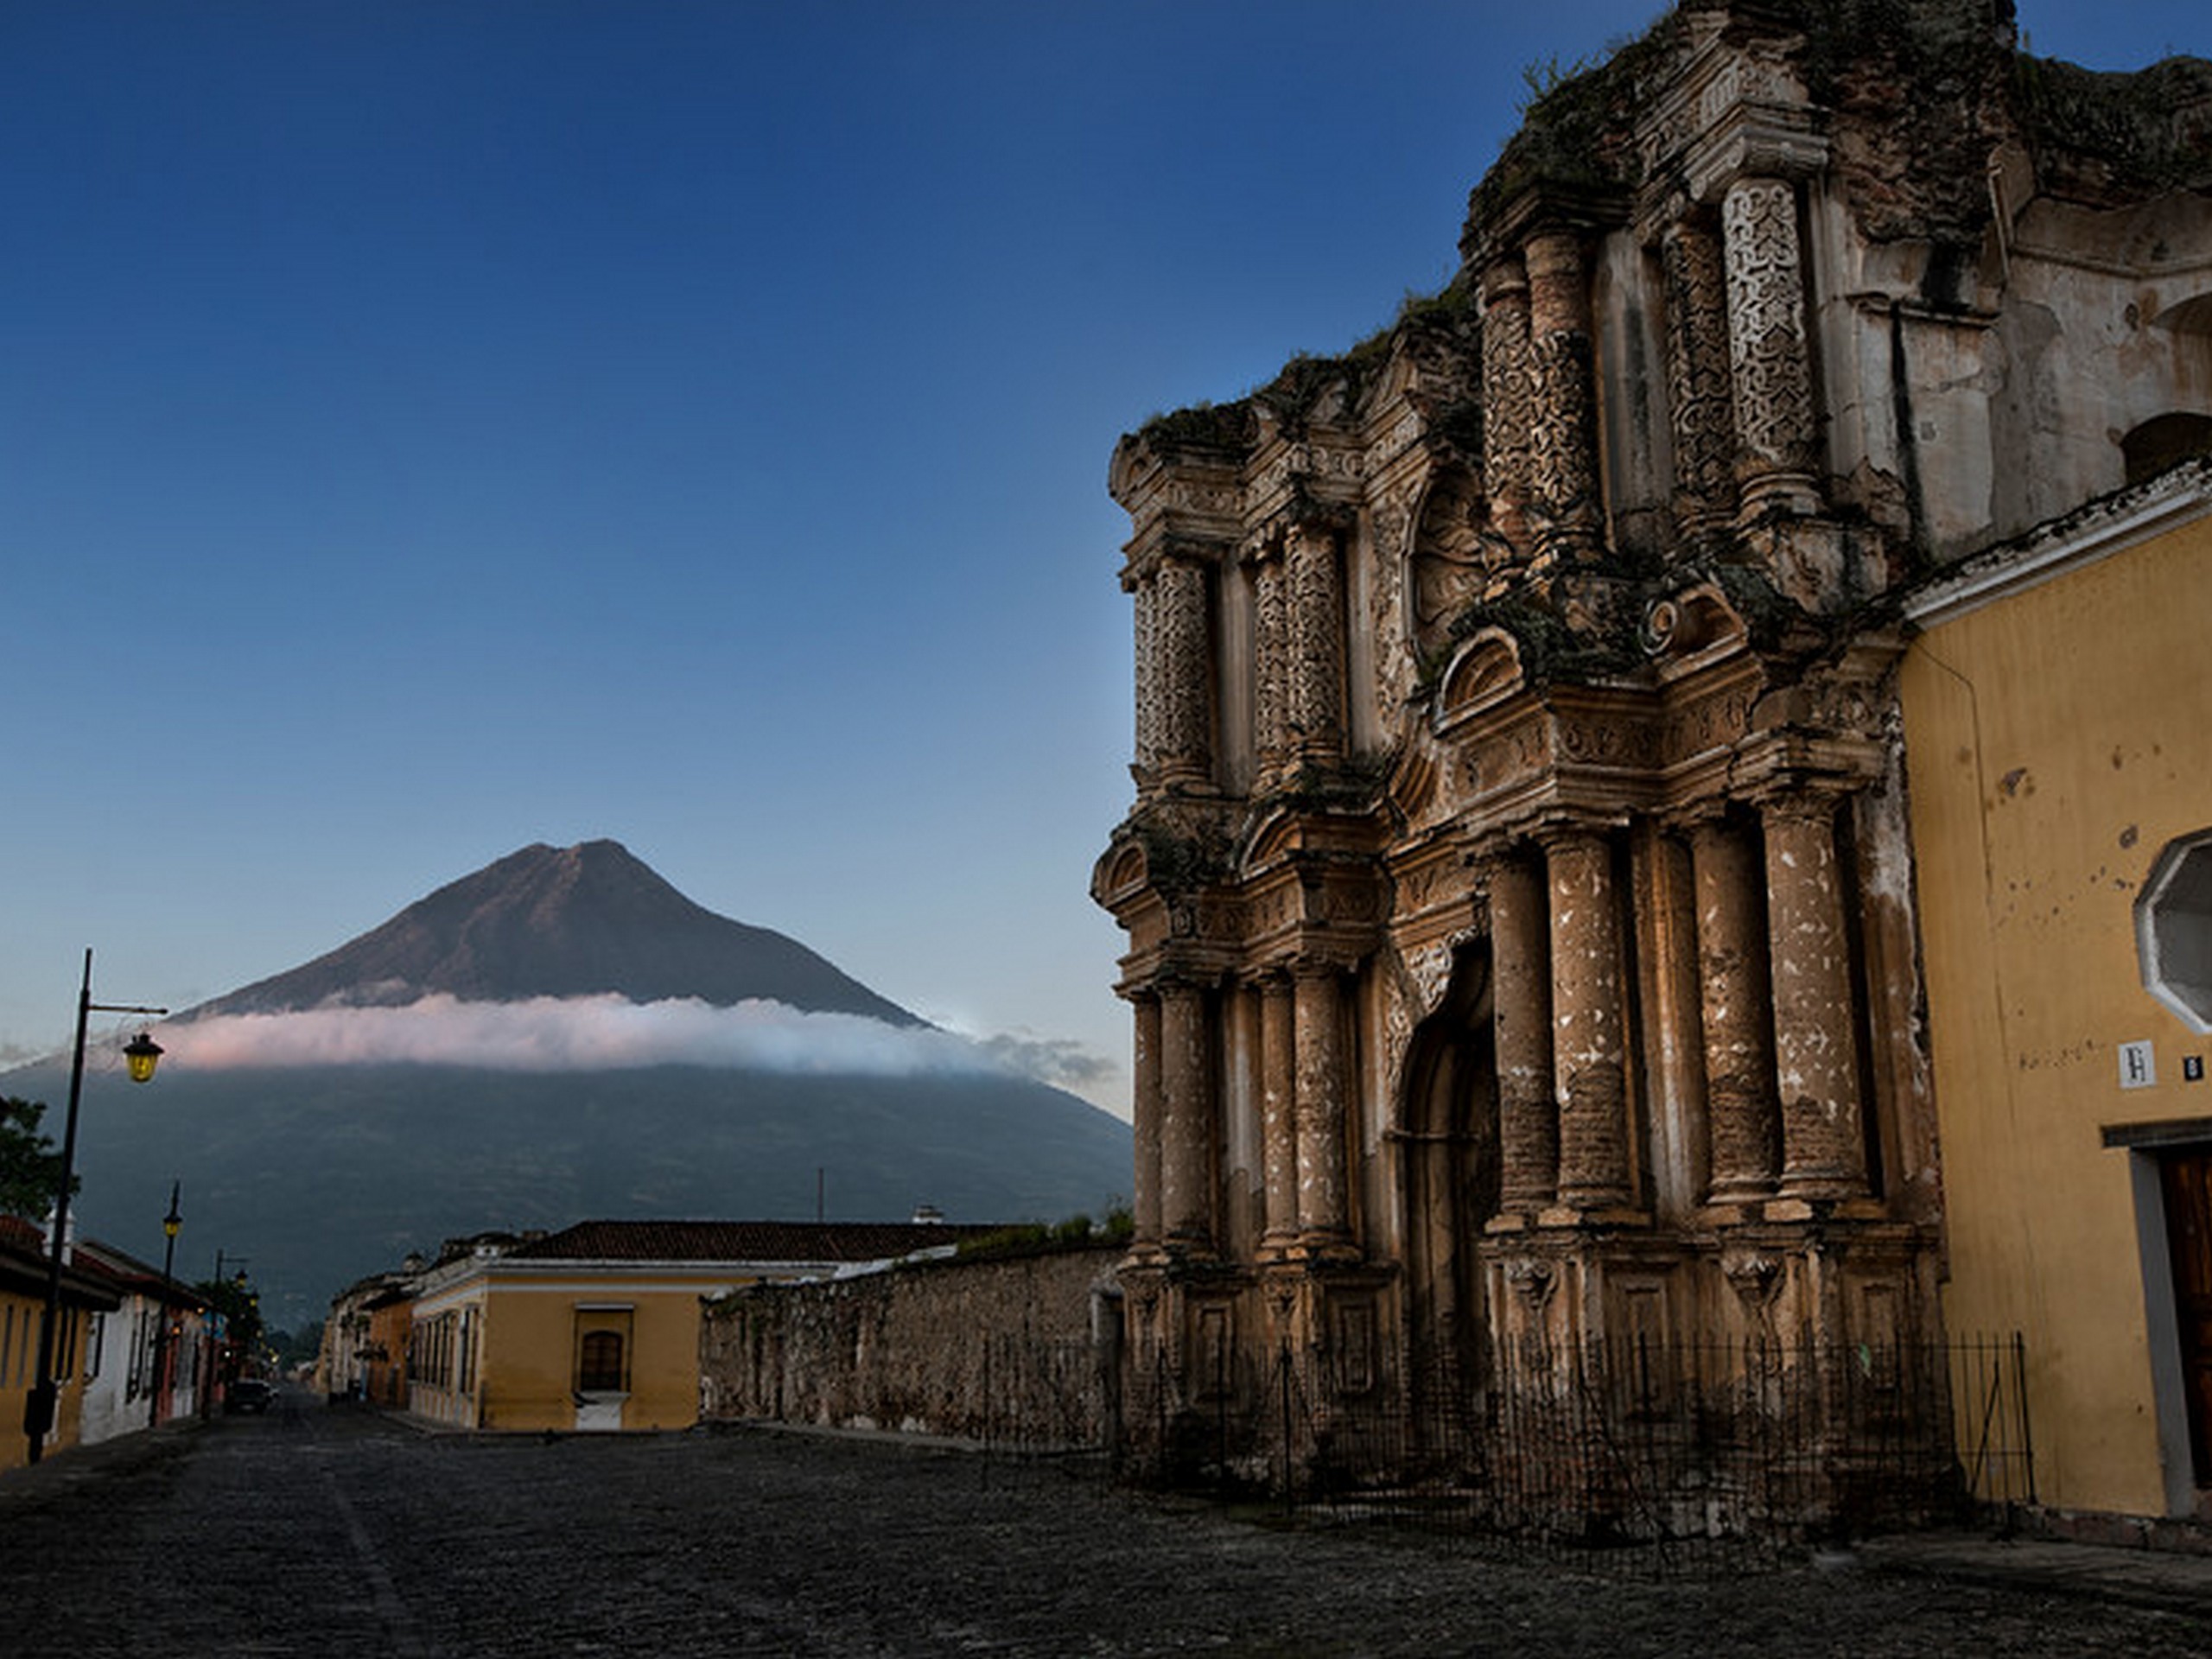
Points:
234	1298
29	1164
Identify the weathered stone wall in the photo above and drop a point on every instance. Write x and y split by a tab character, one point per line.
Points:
1023	1349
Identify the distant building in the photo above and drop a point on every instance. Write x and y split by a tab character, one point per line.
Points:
597	1327
144	1362
1531	971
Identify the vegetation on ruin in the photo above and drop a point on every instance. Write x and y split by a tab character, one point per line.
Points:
2132	127
1077	1232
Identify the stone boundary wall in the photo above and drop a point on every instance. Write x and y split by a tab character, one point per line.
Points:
1018	1351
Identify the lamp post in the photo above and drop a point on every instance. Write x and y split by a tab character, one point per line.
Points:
172	1223
140	1054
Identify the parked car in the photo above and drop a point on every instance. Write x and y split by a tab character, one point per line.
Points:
250	1393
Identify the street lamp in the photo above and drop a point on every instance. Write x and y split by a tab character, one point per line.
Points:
172	1223
141	1055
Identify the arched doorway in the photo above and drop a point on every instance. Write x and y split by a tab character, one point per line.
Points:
1448	1139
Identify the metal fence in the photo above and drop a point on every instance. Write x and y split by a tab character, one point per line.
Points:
1651	1454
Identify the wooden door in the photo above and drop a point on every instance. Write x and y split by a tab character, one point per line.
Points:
2187	1178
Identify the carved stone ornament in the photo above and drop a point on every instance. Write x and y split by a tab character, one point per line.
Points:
1531	1278
1428	970
1448	563
1486	671
1768	363
1754	1275
1390	527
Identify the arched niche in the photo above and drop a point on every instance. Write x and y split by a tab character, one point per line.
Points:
1448	1137
2165	441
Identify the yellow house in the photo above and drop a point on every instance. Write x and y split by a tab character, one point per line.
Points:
2058	716
597	1327
23	1269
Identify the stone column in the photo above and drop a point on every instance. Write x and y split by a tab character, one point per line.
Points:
1186	1121
1507	412
1520	1023
1769	364
1323	1213
1563	429
1316	627
1278	1117
1145	1202
1816	1041
1701	412
1183	672
1743	1125
1271	647
1588	1071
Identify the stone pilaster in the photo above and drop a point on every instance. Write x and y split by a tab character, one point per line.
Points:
1278	1117
1145	593
1700	410
1563	426
1182	673
1815	1042
1271	677
1589	1073
1186	1126
1521	1019
1145	1099
1314	577
1769	363
1323	1211
1743	1125
1507	402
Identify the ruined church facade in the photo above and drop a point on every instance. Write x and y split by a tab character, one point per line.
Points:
1521	945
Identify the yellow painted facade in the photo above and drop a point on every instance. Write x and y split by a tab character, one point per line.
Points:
2059	715
20	1312
511	1347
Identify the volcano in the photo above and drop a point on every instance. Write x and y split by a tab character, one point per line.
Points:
562	922
317	1174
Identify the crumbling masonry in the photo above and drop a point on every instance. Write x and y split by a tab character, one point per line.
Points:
1517	890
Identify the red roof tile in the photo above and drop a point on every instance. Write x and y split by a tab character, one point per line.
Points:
742	1241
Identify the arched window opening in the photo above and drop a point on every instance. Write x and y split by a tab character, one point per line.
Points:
2165	441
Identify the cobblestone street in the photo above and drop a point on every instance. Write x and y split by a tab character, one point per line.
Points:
337	1532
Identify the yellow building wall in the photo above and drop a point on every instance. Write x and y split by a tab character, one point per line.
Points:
528	1376
20	1314
2056	738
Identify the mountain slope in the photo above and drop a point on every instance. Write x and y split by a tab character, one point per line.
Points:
319	1175
574	921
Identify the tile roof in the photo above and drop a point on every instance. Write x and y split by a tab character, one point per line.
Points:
24	1262
742	1241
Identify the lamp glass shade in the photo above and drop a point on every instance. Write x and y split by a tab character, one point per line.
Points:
141	1054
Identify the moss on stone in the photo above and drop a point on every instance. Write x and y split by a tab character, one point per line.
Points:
2136	133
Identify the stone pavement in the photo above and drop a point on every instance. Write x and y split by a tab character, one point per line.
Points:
336	1532
2136	1578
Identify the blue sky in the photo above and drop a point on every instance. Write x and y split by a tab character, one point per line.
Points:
428	428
